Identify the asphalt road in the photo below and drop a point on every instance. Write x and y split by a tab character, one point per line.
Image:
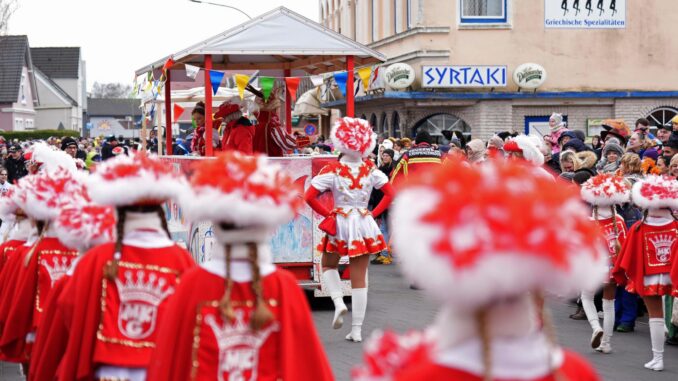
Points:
392	304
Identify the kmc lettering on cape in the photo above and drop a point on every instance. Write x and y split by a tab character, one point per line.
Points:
464	76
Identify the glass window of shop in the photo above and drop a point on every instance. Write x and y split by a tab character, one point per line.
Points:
483	11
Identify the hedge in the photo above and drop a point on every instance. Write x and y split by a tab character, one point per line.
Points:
38	134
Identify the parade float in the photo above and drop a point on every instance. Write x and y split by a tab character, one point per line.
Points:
275	51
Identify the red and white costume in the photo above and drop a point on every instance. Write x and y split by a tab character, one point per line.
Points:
351	229
213	330
604	192
40	196
80	225
480	246
118	293
528	147
646	259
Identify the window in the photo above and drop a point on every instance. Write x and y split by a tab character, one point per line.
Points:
483	11
23	89
29	124
408	14
384	125
373	122
18	124
661	116
373	12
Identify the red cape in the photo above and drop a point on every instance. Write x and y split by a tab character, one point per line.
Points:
299	355
52	337
630	267
21	319
80	305
8	279
574	368
7	249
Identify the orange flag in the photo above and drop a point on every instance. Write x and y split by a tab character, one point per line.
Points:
292	85
178	110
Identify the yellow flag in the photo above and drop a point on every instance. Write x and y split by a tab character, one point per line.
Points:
364	75
241	80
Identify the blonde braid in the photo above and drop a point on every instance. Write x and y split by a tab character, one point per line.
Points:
262	315
225	305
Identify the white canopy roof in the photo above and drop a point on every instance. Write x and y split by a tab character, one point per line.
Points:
273	42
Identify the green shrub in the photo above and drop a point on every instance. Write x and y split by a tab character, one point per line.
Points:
37	134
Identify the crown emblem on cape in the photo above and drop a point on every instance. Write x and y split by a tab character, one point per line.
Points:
151	291
58	268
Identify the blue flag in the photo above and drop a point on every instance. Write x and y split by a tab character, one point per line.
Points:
340	78
216	77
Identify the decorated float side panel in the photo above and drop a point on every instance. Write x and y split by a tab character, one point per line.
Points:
294	242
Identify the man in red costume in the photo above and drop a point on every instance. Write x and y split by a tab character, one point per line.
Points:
418	158
238	317
238	131
270	137
467	249
118	294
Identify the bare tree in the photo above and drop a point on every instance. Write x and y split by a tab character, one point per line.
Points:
110	90
7	8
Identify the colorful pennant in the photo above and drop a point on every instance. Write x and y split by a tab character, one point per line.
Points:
292	85
192	71
241	81
215	78
266	84
168	64
317	80
364	75
178	110
340	78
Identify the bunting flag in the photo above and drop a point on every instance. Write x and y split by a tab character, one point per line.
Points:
340	78
241	80
317	80
266	84
216	77
168	64
364	75
292	85
192	71
178	110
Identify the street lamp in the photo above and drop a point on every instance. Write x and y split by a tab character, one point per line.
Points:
221	5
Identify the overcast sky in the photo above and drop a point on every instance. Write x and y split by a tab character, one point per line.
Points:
119	36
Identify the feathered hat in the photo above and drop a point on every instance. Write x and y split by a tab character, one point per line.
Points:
8	207
138	179
49	158
525	145
82	225
493	232
656	192
242	190
606	190
41	195
353	135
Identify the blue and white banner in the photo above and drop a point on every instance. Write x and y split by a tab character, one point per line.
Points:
463	76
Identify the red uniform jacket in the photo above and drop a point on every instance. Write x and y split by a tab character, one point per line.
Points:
607	228
413	160
49	261
574	368
239	136
648	250
51	339
115	322
8	249
194	343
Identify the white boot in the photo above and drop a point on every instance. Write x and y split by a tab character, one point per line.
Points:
359	306
592	316
657	337
333	284
608	326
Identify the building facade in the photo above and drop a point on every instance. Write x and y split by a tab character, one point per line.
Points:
18	93
586	60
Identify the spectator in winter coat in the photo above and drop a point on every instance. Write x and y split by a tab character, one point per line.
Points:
611	156
15	164
475	151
